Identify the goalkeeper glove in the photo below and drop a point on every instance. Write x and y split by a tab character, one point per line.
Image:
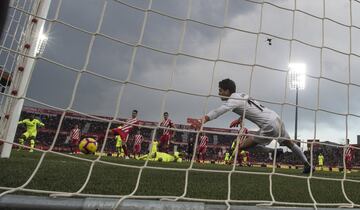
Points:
196	124
235	123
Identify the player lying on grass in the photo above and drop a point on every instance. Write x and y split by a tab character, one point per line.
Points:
267	120
162	157
154	155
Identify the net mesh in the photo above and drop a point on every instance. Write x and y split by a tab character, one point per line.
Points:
178	51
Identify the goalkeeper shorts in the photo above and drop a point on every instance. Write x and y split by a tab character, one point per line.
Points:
29	134
275	129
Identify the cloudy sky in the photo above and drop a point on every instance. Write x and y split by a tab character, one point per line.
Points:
174	64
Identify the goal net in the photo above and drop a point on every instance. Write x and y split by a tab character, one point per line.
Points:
90	64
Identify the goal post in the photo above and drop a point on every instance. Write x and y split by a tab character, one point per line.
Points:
21	75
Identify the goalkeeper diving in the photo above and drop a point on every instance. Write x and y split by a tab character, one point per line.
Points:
267	120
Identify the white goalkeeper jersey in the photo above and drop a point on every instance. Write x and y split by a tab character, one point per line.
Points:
254	111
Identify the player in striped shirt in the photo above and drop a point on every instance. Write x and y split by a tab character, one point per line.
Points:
31	131
266	119
138	139
203	142
349	155
167	134
125	130
75	135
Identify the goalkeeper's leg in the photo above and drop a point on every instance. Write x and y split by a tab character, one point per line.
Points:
21	142
32	144
297	150
24	137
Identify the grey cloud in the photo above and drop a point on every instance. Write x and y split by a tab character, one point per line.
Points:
89	17
71	44
51	84
177	8
110	58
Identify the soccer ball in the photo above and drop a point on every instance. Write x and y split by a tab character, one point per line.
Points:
88	146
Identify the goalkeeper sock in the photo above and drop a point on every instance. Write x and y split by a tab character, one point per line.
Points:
32	145
296	149
21	142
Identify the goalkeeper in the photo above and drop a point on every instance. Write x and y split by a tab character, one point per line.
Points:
267	120
162	157
153	150
154	155
31	131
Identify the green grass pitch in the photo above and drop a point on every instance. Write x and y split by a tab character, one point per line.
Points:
59	173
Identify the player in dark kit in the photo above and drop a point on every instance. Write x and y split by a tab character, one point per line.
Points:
190	148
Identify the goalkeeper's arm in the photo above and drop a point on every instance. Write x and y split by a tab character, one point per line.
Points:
215	113
41	124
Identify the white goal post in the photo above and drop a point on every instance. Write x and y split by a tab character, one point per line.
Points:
29	43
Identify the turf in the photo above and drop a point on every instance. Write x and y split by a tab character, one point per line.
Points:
59	173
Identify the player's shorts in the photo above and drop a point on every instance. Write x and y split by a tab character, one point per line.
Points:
348	158
348	162
275	129
137	148
202	150
123	136
29	134
75	141
164	139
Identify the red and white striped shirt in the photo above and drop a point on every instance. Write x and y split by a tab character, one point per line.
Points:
349	152
168	124
203	141
138	138
130	124
75	134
